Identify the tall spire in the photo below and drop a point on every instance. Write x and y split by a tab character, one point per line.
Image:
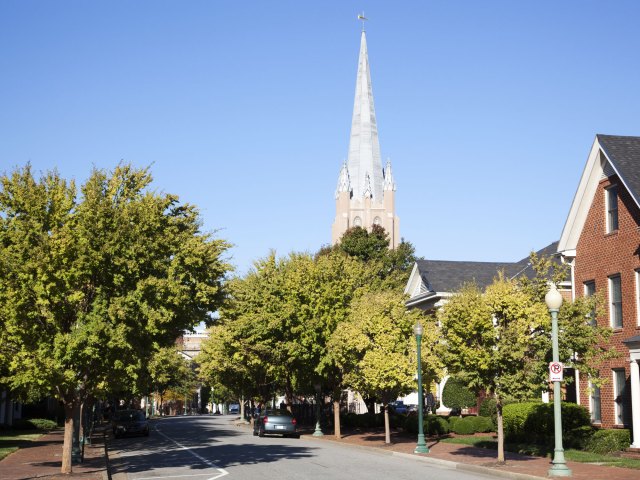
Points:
364	147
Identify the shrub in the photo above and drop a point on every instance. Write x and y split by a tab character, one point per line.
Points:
348	419
411	423
608	441
464	426
488	408
456	394
35	424
452	423
435	425
482	424
432	424
533	422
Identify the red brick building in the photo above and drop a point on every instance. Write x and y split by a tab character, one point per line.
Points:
601	243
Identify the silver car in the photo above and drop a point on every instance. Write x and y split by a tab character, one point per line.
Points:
275	422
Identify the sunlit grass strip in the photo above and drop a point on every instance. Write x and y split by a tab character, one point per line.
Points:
536	450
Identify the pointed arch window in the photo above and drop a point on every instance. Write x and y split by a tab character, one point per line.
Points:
377	221
357	222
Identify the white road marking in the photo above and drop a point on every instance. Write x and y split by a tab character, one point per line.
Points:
222	471
174	476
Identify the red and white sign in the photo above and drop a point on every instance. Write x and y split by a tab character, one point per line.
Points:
555	371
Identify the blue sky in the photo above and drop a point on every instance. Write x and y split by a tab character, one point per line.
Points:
486	109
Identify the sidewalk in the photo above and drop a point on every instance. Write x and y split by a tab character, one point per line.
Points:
478	460
42	458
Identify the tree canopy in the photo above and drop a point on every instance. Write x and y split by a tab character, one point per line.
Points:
500	339
93	281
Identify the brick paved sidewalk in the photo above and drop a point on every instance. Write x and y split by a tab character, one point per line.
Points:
516	466
42	458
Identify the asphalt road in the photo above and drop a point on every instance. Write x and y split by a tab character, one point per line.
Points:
208	448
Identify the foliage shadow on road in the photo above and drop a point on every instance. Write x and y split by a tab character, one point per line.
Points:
220	456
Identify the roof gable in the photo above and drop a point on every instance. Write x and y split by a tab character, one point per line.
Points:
609	154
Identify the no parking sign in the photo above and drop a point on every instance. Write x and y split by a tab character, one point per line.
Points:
555	371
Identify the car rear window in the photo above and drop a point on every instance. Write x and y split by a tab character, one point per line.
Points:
278	412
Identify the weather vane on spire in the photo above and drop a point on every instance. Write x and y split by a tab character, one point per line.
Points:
363	18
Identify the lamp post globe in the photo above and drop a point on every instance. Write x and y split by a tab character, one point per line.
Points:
559	468
421	446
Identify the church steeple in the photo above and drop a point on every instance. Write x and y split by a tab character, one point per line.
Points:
364	147
365	195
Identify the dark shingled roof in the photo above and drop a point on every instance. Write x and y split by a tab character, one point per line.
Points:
624	154
449	276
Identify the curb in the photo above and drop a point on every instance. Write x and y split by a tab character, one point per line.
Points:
492	472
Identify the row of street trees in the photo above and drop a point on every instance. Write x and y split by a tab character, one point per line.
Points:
94	281
336	319
339	319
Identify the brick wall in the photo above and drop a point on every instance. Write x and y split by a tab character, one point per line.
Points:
598	256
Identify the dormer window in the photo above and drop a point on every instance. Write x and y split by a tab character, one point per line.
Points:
612	208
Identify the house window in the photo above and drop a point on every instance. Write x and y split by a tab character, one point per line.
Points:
612	208
615	301
594	400
619	390
590	290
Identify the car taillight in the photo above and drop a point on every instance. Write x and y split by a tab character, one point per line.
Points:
293	420
265	419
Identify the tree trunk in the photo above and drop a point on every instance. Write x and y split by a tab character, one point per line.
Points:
336	418
387	427
70	409
500	432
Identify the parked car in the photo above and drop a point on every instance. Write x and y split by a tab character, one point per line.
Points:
277	422
398	407
129	422
234	409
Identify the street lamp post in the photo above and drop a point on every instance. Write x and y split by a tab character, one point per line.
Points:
318	432
421	447
553	299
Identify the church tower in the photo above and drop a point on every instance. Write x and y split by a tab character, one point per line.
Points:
365	195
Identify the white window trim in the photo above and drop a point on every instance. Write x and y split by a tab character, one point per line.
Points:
617	407
591	387
637	275
606	209
611	310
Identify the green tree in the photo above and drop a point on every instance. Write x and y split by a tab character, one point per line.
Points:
500	339
277	322
376	349
170	370
91	283
456	394
394	265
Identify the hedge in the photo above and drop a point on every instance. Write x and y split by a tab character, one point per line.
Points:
35	424
533	422
463	426
432	424
608	441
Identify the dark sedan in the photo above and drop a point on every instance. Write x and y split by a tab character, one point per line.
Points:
275	422
129	422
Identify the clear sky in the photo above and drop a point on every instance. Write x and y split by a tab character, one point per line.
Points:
486	109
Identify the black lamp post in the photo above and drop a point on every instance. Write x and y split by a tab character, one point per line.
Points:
421	447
